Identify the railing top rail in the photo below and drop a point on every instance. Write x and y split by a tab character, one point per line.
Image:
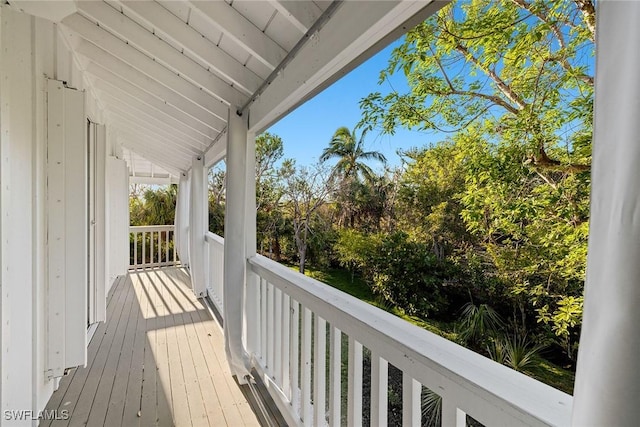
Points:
453	371
147	228
212	237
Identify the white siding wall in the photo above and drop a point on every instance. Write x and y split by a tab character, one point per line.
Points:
117	232
31	50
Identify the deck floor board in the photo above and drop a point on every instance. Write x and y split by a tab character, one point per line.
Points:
159	360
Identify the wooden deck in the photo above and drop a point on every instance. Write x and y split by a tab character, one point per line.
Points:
158	360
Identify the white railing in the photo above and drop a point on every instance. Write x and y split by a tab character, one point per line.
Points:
305	374
215	270
152	246
365	350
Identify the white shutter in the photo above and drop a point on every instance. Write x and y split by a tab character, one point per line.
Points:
67	229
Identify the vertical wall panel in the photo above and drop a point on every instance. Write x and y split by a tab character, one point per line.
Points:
16	209
117	217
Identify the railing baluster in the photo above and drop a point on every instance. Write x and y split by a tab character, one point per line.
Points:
135	250
379	388
354	397
411	411
306	367
319	371
270	329
451	415
144	246
263	321
151	248
335	376
160	247
286	341
253	313
175	252
166	253
295	356
277	329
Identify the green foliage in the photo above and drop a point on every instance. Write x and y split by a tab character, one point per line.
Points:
478	322
516	351
156	206
354	249
431	404
405	273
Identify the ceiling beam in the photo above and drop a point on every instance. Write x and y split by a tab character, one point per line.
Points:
301	14
217	59
151	45
341	44
153	102
144	82
235	26
166	141
115	104
153	180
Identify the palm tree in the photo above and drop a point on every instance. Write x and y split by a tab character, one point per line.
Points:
350	152
350	167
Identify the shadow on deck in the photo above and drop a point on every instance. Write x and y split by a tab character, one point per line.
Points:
158	360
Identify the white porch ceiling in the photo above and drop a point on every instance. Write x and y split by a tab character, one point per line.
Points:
143	171
168	72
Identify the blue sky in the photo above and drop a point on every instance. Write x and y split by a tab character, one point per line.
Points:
308	130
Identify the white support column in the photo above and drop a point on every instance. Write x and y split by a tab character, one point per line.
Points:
197	227
235	242
608	379
182	219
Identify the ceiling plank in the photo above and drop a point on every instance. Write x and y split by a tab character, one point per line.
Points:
166	160
114	103
218	60
167	140
156	145
242	31
146	65
301	14
137	36
135	107
144	152
126	87
144	82
340	45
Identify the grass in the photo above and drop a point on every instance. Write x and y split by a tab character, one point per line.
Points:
543	371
